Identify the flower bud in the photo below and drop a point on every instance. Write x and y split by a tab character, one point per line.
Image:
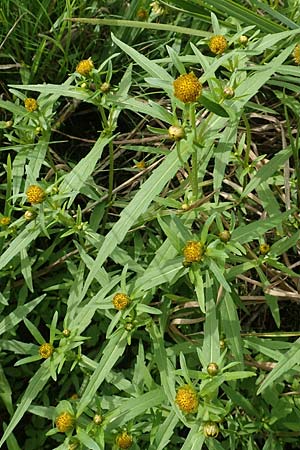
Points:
97	419
224	236
176	133
105	87
212	369
228	92
211	429
243	39
124	440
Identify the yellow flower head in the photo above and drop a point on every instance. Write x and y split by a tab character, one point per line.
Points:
193	251
264	248
4	221
124	440
120	301
84	67
140	165
218	44
187	87
211	429
296	54
46	350
142	14
186	399
30	104
35	194
64	422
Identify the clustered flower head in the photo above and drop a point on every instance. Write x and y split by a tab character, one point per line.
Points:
218	44
84	67
187	87
193	251
186	399
142	14
35	194
46	350
120	301
296	54
264	248
124	440
31	104
4	221
64	422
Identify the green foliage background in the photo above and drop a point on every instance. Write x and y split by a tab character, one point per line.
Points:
123	200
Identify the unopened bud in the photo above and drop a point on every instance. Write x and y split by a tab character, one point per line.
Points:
176	133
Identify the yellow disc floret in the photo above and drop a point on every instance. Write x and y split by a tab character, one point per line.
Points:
264	248
193	251
296	54
4	221
186	399
30	104
187	87
35	194
124	440
84	67
218	44
64	422
46	350
120	301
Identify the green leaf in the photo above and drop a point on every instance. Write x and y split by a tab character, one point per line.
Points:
211	342
134	407
194	439
26	268
247	233
213	106
288	360
36	384
164	432
86	440
265	172
140	203
76	179
231	327
149	66
23	240
113	350
18	314
243	14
